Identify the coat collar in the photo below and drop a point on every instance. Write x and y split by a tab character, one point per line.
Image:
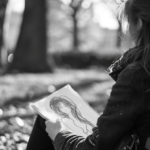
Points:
119	65
116	68
114	74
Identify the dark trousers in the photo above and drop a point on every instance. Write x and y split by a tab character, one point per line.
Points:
39	139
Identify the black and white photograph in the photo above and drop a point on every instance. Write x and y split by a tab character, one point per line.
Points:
74	74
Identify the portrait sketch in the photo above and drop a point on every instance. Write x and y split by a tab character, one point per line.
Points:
67	110
67	106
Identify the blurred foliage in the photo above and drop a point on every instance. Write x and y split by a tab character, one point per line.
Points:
91	35
87	30
82	60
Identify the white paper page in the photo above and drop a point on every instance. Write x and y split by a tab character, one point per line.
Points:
67	105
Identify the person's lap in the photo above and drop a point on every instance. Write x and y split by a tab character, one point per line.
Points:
39	138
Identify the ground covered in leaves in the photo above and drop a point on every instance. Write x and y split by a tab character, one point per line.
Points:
18	91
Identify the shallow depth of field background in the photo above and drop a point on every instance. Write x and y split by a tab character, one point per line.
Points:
46	44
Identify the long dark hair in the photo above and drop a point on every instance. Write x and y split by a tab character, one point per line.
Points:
55	106
132	11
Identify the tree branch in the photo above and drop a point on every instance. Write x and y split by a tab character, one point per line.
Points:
76	5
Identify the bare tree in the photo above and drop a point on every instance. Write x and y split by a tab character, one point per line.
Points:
76	6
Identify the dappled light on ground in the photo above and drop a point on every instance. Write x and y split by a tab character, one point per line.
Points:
18	91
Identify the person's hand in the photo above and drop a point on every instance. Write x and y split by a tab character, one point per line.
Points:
53	128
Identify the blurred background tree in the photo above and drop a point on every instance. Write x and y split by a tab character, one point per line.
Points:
3	4
30	54
75	7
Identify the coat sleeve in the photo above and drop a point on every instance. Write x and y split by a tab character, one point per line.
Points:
124	107
122	110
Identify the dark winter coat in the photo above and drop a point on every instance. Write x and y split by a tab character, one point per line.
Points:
128	107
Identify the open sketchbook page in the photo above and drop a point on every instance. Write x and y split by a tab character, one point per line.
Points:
68	106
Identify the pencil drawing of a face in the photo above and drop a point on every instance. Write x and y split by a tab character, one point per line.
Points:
64	107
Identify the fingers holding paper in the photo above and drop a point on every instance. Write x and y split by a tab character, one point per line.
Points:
53	128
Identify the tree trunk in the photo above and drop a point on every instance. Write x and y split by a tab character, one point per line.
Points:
75	31
30	54
3	4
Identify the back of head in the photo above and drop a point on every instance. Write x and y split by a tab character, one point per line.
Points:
135	12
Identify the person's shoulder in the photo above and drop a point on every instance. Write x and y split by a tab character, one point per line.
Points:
132	73
136	68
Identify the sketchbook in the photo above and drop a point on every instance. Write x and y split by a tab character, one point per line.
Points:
69	107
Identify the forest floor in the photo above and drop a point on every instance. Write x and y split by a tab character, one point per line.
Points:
17	91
